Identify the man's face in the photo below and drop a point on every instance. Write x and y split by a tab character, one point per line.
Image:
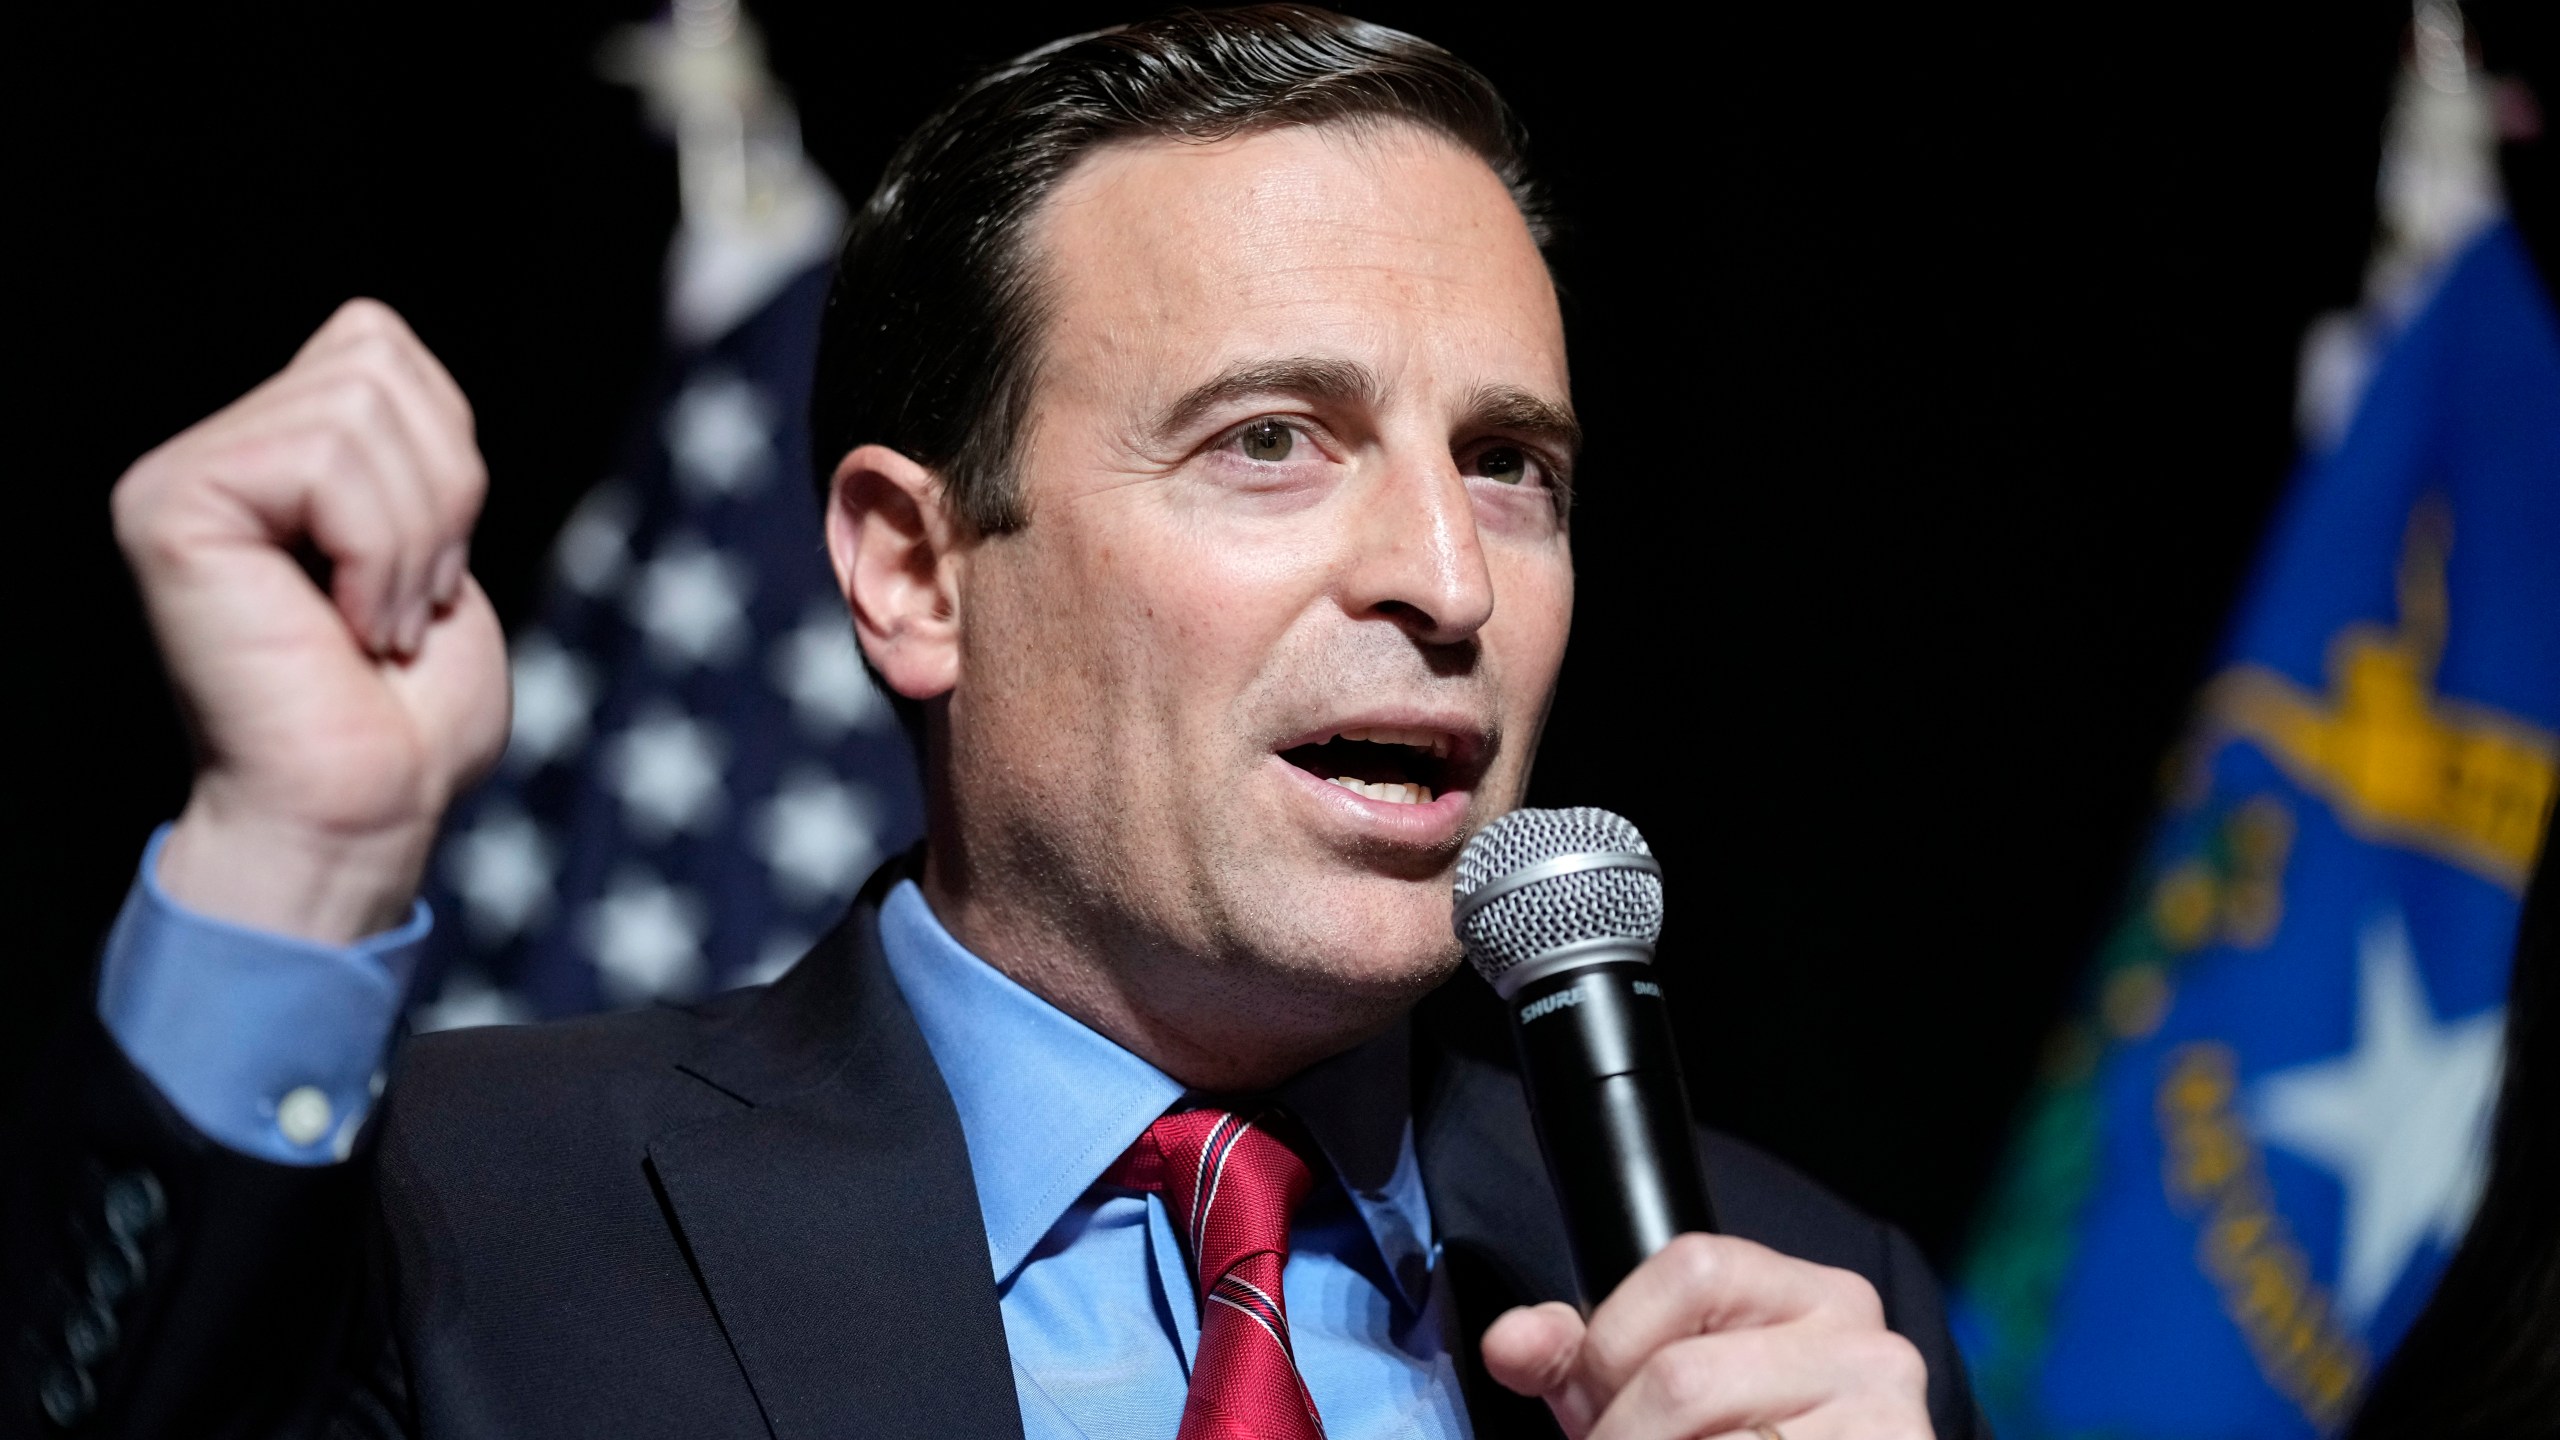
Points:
1300	421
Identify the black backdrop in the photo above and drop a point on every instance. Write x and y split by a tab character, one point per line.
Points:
1937	360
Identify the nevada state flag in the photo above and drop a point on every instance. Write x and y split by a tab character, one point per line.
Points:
2245	1168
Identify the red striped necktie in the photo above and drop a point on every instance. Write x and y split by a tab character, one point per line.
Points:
1232	1184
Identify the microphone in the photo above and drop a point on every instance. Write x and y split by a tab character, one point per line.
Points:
1559	911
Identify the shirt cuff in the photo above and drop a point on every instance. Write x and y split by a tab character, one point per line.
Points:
270	1045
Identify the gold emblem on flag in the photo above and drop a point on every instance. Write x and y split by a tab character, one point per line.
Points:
2213	1170
2397	762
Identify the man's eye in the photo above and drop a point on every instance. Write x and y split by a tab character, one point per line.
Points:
1267	441
1508	464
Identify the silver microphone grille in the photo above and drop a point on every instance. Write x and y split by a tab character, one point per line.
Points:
1538	881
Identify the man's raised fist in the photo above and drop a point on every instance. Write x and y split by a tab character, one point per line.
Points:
332	725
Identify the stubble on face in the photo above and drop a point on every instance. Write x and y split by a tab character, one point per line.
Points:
1122	831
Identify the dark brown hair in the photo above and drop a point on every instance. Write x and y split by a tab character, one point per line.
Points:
931	337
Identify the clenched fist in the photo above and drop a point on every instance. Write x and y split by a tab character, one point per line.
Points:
332	727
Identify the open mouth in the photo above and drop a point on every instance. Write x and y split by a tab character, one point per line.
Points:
1382	762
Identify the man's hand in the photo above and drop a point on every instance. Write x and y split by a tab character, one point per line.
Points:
331	727
1717	1336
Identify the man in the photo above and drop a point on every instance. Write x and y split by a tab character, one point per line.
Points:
1200	443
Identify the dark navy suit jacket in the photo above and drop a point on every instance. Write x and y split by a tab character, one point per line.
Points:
753	1218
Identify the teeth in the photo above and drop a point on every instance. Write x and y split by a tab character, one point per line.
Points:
1393	792
1432	740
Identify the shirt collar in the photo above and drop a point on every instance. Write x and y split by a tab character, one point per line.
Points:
1358	1108
1047	1104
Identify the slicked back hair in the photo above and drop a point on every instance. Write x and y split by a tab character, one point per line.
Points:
932	333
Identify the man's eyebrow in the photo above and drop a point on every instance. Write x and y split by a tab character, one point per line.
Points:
1307	376
1527	414
1506	408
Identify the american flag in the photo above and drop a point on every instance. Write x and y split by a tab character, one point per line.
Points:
700	773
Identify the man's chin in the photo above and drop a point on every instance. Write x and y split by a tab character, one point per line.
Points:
1369	939
1349	922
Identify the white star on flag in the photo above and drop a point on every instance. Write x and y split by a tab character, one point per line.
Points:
691	601
646	938
720	435
818	834
779	952
467	1000
819	668
555	692
594	547
666	771
501	867
2401	1118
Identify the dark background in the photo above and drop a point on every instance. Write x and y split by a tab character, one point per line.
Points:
1938	363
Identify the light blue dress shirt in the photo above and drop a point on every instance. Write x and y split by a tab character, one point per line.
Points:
271	1045
1099	1306
1097	1299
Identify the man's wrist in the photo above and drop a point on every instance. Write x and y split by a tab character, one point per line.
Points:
267	1044
234	864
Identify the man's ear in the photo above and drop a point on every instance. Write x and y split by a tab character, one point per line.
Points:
895	547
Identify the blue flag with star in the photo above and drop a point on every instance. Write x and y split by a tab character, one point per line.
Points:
699	772
2244	1168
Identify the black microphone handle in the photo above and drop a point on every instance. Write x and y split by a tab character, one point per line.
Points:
1603	1079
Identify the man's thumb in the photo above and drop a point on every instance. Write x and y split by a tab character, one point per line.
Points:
1531	1350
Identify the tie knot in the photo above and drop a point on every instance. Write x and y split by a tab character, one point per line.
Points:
1231	1180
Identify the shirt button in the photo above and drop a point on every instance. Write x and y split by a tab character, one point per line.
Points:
303	1115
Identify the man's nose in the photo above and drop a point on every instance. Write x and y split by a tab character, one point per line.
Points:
1416	556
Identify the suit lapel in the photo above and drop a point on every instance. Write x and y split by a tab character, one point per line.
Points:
1502	1237
831	1217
